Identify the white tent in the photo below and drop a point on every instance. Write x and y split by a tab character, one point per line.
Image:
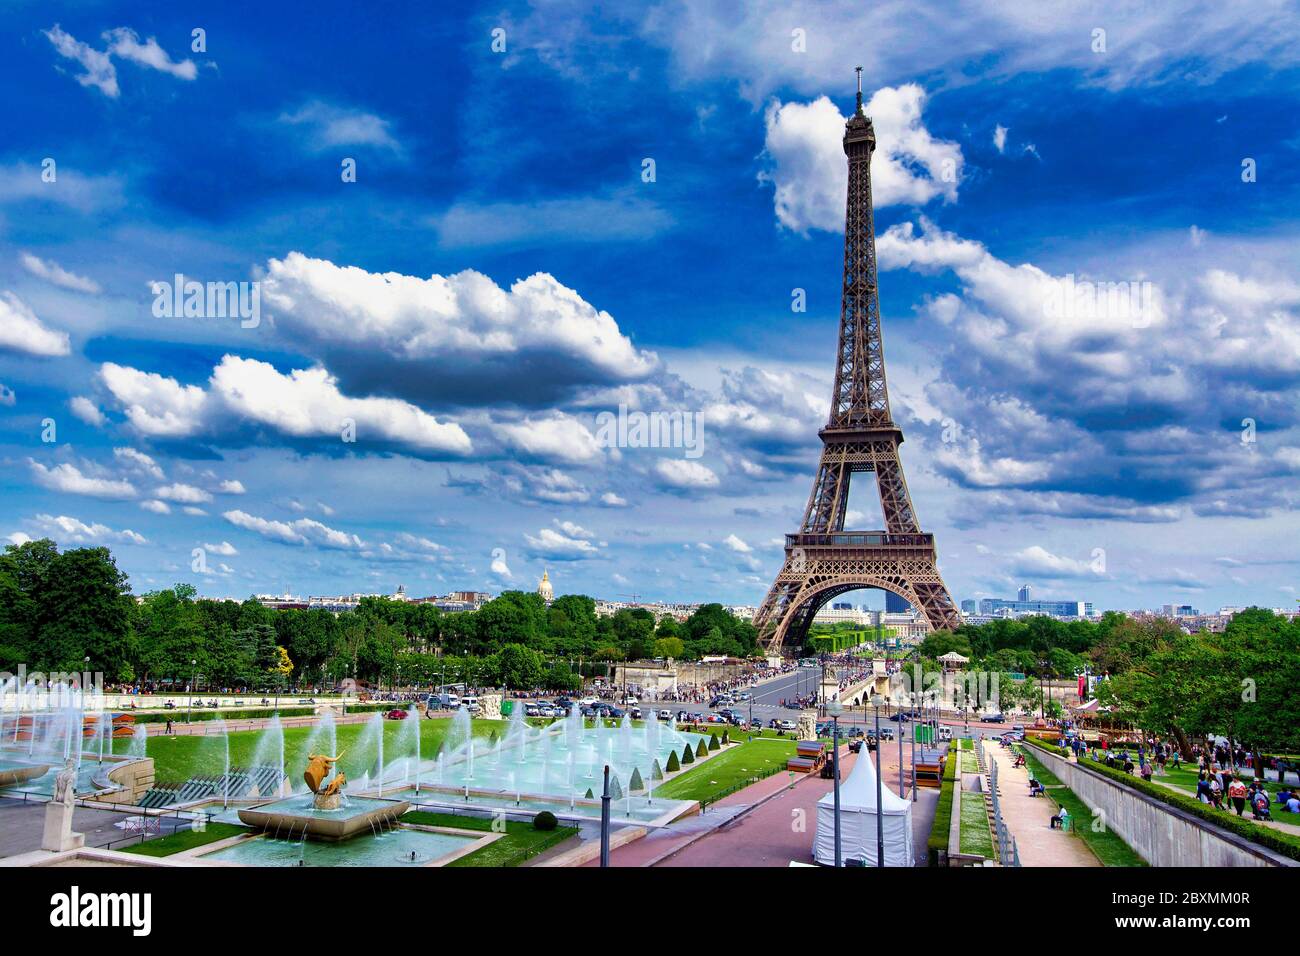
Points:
858	820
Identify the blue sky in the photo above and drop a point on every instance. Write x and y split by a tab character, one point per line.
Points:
501	272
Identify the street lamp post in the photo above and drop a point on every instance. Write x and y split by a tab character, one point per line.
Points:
604	821
900	747
835	708
914	743
189	708
880	819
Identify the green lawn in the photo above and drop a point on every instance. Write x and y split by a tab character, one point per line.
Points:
728	771
975	835
178	758
1106	846
521	842
969	763
185	840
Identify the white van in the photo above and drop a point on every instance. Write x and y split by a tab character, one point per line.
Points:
945	733
470	704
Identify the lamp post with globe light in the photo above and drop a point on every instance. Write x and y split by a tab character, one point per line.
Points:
835	708
880	820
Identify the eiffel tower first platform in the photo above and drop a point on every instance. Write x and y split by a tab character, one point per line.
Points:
822	559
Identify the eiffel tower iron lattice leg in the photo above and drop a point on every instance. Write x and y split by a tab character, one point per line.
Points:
823	560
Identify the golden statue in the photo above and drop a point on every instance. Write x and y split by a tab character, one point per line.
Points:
318	768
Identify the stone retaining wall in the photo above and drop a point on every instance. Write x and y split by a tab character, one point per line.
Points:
1160	833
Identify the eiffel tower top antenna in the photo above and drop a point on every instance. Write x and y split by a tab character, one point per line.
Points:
859	72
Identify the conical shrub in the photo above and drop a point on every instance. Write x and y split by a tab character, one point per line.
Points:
636	785
713	742
687	756
701	750
615	788
673	763
656	771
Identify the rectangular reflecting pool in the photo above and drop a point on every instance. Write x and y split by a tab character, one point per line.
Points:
400	847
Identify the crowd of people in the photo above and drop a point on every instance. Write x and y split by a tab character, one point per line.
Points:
1225	776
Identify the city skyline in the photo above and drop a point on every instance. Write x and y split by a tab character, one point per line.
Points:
506	269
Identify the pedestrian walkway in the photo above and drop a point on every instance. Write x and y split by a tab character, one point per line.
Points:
775	821
1274	824
1028	819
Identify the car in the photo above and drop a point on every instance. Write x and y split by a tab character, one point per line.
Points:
715	719
1020	728
665	715
745	696
993	719
631	699
945	733
396	714
615	713
589	701
636	713
530	710
900	718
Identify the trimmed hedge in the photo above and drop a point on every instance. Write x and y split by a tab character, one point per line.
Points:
1277	840
687	756
938	842
701	750
243	713
673	763
545	821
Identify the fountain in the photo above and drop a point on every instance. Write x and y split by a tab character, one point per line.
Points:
326	813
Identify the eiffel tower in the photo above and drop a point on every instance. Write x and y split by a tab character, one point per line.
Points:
822	559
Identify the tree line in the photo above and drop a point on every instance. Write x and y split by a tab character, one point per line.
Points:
59	608
1238	684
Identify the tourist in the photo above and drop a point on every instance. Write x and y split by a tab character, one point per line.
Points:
1237	794
1293	804
169	725
1059	819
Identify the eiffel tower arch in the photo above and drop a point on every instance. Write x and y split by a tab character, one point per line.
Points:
823	559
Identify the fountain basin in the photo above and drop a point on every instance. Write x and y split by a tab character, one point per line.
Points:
400	847
12	775
298	815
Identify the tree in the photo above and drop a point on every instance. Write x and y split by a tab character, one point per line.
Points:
85	611
519	667
669	647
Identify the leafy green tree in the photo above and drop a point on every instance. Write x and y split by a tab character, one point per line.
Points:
519	667
85	611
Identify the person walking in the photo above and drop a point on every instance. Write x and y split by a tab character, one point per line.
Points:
1237	794
169	726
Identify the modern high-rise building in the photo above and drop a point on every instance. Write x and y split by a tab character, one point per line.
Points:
1050	608
896	604
969	606
1023	593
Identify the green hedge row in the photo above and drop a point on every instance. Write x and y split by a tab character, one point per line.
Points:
1285	843
179	714
938	842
